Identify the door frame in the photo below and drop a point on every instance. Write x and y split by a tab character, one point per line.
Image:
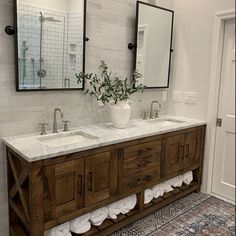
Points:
214	92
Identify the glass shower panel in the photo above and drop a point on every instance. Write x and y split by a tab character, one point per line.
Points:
29	44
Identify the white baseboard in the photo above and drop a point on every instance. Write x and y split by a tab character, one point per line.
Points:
223	198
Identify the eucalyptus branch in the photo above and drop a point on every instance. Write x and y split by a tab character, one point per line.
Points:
109	87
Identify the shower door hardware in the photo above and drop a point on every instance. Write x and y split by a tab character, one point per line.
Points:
10	30
219	122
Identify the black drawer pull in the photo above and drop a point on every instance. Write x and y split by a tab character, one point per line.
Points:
90	181
148	177
143	163
133	183
187	152
80	184
182	152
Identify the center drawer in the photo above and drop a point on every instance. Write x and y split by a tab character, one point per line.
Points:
141	180
140	157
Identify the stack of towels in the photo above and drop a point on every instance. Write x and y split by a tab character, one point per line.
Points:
61	230
122	207
81	225
84	223
166	187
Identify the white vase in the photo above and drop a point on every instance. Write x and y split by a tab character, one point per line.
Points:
120	113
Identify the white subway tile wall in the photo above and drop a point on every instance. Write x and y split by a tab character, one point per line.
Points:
62	46
110	27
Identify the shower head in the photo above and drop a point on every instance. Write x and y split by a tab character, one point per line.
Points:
50	18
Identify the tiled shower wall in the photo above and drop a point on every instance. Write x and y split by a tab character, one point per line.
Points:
110	27
74	42
60	45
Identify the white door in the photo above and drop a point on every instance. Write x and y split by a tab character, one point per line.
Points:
224	163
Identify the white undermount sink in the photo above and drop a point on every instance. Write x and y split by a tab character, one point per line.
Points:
63	139
166	121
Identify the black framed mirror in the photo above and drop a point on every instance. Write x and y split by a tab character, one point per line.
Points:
153	48
50	44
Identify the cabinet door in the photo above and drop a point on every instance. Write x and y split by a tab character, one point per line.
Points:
193	148
174	154
101	177
63	188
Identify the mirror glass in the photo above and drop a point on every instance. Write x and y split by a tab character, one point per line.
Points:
50	43
154	44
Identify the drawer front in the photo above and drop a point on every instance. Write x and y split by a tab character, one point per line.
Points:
145	149
142	179
139	163
138	158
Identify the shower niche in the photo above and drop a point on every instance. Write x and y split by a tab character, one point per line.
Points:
50	44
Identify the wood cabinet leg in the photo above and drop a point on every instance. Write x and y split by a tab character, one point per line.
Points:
140	202
36	199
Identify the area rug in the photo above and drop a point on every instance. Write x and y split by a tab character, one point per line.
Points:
194	215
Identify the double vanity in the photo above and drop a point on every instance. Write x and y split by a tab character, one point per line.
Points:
57	177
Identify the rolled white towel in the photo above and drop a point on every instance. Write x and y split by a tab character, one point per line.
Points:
81	225
61	230
188	178
177	182
97	217
128	204
114	210
167	186
148	196
158	191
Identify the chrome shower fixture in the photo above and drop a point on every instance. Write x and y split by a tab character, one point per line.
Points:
49	19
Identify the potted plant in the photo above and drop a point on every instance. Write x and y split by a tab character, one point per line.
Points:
112	90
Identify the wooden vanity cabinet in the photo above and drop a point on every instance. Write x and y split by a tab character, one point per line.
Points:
47	193
182	151
193	148
63	188
76	184
174	154
141	165
101	177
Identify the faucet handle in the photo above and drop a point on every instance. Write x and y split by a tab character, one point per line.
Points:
66	126
43	128
157	114
145	115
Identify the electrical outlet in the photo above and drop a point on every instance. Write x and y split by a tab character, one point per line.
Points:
177	96
191	98
164	96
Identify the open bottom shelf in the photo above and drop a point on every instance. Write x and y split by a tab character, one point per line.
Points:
110	226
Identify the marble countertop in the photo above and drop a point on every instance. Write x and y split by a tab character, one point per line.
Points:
32	149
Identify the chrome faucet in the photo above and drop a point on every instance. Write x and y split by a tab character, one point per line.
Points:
157	112
55	130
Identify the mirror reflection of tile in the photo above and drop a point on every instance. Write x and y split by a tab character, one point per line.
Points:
50	52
